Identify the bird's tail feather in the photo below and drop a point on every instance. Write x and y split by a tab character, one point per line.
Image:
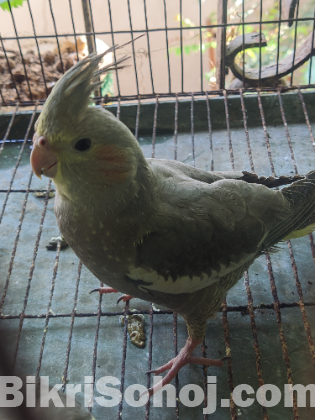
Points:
301	220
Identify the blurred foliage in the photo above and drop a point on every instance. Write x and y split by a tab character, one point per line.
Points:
286	37
251	11
107	86
207	39
4	4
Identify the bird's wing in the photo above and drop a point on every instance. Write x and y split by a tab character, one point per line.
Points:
199	232
187	171
178	169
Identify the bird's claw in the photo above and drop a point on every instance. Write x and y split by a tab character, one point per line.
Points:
124	298
223	359
105	289
151	371
147	391
94	290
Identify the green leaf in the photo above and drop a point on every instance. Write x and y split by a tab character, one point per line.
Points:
13	3
107	87
187	49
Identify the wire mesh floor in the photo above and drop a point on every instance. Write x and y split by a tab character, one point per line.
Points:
52	326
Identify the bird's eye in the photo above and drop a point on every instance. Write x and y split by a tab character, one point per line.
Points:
83	145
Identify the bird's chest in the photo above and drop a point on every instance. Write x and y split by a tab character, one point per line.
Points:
103	243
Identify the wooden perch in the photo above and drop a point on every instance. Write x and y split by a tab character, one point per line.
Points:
269	74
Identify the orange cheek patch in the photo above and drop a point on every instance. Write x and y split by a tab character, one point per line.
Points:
113	161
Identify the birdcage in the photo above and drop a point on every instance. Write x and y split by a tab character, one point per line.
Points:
224	86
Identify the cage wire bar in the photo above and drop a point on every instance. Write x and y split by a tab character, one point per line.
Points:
92	33
275	305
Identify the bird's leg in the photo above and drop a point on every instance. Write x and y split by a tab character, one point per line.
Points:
101	290
183	358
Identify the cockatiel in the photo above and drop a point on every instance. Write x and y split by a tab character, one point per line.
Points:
155	229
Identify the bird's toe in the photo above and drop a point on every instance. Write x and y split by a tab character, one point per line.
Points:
102	290
124	298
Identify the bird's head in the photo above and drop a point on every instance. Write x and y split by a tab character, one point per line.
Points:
81	146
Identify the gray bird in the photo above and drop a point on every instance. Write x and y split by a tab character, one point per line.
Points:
155	229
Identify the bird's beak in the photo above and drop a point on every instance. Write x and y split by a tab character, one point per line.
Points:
43	160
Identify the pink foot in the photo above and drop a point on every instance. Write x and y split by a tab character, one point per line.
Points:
101	290
183	358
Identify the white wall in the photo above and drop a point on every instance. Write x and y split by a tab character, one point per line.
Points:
155	13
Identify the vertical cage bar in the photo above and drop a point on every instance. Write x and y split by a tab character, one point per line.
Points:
17	237
92	22
97	329
278	39
167	49
277	306
200	46
17	162
229	354
175	354
246	276
243	43
30	275
287	131
181	43
123	364
249	149
133	47
255	336
205	378
293	263
38	50
56	35
20	49
148	43
260	30
154	126
113	43
224	304
312	246
9	68
148	403
283	342
176	127
192	126
306	118
87	14
227	117
74	31
52	288
262	115
118	109
221	43
1	96
137	119
73	313
9	128
311	57
295	35
301	304
210	132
